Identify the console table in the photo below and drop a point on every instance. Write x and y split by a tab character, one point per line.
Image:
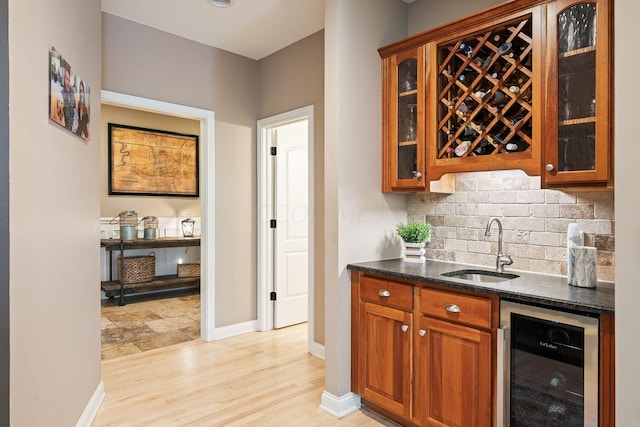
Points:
112	287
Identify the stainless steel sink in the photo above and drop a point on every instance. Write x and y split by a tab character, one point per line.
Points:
485	276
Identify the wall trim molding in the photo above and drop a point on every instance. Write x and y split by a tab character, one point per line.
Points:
235	329
317	350
341	406
92	408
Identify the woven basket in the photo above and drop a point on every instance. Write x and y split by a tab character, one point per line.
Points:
138	269
188	270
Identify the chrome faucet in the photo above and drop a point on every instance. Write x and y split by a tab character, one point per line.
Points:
501	260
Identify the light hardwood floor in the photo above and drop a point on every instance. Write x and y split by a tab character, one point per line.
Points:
256	379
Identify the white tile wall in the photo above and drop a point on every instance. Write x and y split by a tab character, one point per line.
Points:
535	222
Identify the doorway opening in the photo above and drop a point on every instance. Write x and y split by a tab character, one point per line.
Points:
285	222
207	194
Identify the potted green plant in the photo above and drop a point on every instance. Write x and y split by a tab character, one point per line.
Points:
414	236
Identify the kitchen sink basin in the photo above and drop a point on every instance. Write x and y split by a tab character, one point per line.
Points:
485	276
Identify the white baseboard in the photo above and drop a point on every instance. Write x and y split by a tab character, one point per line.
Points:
91	410
317	350
339	406
235	329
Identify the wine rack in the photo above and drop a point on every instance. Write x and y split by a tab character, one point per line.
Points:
484	93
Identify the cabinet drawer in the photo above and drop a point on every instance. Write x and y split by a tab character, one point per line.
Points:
470	310
386	293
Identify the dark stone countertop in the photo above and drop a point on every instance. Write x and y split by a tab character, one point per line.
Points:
533	288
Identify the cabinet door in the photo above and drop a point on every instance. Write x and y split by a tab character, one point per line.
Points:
385	351
403	121
579	86
453	374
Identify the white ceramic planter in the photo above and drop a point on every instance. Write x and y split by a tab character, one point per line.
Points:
414	252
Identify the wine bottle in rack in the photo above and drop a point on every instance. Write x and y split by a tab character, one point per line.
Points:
486	62
462	148
527	94
466	49
499	139
451	130
464	78
483	148
516	145
517	48
505	48
497	99
498	70
468	131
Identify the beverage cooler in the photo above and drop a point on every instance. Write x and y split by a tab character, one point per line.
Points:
548	367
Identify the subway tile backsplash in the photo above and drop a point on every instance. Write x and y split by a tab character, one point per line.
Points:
534	220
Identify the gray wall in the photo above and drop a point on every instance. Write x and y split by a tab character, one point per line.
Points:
141	61
292	78
427	14
358	218
54	211
4	217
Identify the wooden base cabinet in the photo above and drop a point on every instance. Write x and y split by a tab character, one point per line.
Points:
382	325
453	374
453	358
423	356
387	357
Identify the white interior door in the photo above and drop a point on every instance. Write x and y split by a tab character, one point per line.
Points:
291	243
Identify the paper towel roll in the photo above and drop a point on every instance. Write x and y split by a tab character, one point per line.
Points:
584	259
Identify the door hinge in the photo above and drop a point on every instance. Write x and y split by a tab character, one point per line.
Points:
272	223
274	151
272	297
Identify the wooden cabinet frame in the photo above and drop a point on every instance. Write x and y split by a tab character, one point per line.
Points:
544	132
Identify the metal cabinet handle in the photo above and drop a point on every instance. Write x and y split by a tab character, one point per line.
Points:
422	332
405	328
549	167
452	308
417	174
384	293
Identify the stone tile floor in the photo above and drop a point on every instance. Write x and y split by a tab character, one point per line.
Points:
148	322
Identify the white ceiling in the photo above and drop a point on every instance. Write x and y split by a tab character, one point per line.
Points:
251	28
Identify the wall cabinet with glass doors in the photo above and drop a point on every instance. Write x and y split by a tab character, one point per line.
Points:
579	143
523	85
403	133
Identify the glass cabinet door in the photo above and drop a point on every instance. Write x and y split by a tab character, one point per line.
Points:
405	138
579	142
407	118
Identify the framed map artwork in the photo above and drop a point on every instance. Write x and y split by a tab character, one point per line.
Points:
147	162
